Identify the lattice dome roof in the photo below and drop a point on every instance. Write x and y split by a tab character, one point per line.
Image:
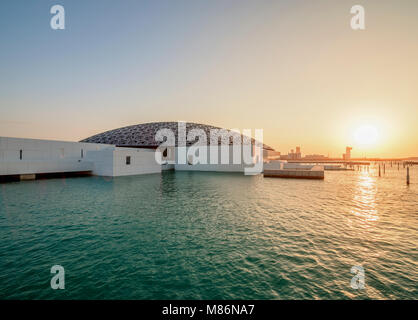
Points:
143	135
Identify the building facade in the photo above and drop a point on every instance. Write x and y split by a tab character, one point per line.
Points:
131	150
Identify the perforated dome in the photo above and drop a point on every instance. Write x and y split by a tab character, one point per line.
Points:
143	135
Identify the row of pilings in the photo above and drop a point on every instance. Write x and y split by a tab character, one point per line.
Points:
381	168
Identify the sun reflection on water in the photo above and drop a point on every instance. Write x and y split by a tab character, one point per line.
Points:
364	205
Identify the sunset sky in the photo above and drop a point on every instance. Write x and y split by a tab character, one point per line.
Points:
293	68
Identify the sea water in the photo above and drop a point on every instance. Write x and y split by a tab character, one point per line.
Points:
199	235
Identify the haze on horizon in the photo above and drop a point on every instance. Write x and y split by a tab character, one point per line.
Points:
293	68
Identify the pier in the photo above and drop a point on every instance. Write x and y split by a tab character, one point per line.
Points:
276	169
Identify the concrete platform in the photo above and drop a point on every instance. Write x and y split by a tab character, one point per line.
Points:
316	172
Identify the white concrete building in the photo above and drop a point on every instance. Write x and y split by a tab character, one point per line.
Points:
27	158
218	159
184	137
115	162
130	151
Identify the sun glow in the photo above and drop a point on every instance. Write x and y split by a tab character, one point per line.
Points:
366	135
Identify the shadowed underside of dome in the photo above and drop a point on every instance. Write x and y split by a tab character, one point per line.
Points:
143	135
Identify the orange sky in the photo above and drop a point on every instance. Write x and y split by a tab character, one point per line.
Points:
295	69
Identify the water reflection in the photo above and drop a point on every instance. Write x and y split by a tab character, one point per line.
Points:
364	204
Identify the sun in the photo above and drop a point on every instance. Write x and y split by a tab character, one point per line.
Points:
366	135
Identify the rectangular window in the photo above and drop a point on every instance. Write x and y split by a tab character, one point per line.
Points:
20	154
128	160
82	153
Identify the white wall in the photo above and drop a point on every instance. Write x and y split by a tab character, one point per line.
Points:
296	166
102	161
274	165
283	164
142	162
45	166
44	156
34	149
47	156
224	160
112	162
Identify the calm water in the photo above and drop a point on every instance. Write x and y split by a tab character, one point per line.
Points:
198	235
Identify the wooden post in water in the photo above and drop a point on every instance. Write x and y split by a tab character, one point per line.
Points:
384	168
379	171
398	166
407	176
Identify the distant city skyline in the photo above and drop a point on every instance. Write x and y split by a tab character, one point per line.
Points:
292	68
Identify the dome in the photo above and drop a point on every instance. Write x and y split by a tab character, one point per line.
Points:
143	135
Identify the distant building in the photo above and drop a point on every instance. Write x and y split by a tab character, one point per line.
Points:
347	154
292	155
298	153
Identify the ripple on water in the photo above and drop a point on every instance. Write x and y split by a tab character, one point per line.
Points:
196	235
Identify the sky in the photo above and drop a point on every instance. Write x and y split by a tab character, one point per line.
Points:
293	68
